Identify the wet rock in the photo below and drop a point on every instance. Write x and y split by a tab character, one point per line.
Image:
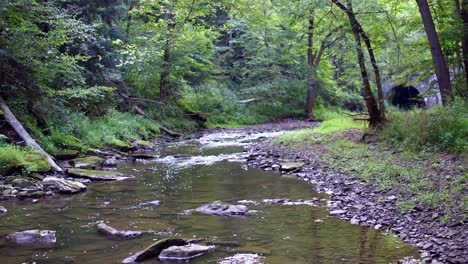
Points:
242	259
155	249
35	236
151	204
142	156
223	209
66	154
291	166
248	202
276	201
110	162
184	252
61	185
22	183
112	232
29	193
90	162
95	175
3	210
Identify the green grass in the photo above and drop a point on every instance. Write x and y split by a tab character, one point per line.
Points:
13	157
440	129
325	133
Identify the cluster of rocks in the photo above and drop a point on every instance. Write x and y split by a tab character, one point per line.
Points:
363	203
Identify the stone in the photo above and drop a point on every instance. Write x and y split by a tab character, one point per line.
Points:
90	162
155	249
112	232
60	185
277	201
184	252
151	204
142	156
66	154
110	162
338	212
291	166
22	183
95	175
35	236
3	210
29	193
223	209
242	259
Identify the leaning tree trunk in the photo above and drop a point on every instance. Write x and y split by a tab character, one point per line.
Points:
441	70
16	125
375	117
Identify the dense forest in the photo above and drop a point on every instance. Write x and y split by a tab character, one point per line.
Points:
169	92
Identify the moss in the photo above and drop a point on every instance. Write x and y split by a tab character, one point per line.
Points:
36	162
95	175
87	162
144	143
65	154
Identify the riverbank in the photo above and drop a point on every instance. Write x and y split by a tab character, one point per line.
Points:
429	215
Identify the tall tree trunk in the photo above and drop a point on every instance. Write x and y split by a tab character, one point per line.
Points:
462	11
164	82
441	70
375	117
313	71
23	134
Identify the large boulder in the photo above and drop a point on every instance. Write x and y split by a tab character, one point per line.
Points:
155	249
95	175
90	162
60	185
112	232
223	209
35	236
184	252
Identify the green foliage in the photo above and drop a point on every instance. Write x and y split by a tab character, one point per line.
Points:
15	158
339	124
436	129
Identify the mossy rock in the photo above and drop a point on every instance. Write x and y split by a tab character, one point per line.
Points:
291	166
91	162
66	154
143	143
27	194
120	145
35	176
96	175
36	162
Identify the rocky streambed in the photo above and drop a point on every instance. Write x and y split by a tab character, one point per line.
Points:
200	191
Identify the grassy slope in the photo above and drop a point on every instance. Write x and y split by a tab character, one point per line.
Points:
436	179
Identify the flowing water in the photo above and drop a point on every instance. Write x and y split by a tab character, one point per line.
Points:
185	176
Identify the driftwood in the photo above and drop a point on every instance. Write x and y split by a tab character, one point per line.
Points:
164	129
24	135
249	101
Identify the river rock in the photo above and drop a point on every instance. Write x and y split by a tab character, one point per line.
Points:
90	162
112	232
277	201
3	210
110	162
22	183
155	249
242	259
61	185
95	175
223	209
184	252
142	156
35	236
291	166
66	154
151	204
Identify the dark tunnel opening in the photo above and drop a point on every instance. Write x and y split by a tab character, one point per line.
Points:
406	97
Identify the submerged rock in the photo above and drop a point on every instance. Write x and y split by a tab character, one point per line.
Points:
60	185
110	231
155	249
35	236
184	252
90	162
3	210
242	259
223	209
151	204
95	175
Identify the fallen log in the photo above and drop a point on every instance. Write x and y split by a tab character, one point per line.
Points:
162	128
24	135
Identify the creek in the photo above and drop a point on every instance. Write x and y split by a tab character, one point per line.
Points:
186	175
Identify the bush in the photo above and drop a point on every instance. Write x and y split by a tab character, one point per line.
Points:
436	129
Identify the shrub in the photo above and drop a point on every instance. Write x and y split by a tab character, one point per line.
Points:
436	129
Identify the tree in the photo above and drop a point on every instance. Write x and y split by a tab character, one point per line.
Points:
441	70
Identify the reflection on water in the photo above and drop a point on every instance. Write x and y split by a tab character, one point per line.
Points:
284	234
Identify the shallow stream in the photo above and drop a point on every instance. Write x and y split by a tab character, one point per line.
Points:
185	176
